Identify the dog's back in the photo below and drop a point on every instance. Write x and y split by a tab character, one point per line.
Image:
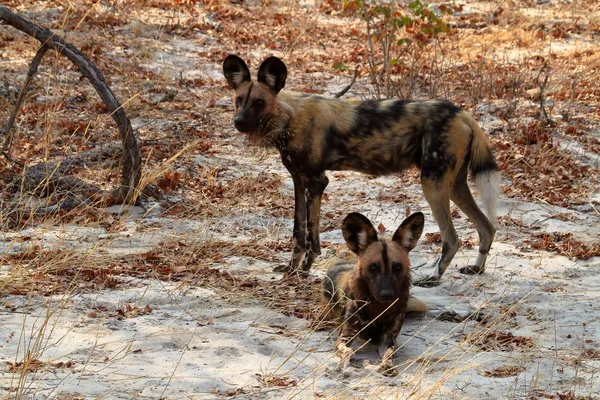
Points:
335	287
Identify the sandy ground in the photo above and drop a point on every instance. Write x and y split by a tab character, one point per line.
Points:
191	343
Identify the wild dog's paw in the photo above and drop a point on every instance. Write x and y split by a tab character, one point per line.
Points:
288	271
345	353
472	270
282	268
387	369
430	281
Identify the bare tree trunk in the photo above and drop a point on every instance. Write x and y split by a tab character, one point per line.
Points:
132	160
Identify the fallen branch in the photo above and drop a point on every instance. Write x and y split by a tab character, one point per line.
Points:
131	159
49	178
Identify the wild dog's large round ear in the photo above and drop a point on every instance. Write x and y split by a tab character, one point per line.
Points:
408	233
235	70
273	72
358	232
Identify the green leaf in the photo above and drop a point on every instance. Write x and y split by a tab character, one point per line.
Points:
340	66
397	23
415	5
406	20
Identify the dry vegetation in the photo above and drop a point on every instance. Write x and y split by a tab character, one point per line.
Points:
528	71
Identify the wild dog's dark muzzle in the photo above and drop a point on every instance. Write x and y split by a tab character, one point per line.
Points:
386	292
246	121
386	295
241	124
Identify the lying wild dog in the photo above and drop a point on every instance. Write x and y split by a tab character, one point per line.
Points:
372	297
378	137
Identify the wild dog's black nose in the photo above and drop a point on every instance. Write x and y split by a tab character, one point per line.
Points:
240	124
386	295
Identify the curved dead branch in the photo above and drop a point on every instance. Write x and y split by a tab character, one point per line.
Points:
345	90
131	158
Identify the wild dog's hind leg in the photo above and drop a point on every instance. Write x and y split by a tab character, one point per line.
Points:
299	225
437	194
462	197
314	192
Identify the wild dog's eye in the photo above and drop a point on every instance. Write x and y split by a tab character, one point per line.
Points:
259	102
397	266
238	100
373	267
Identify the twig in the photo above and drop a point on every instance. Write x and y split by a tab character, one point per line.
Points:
132	159
543	86
33	67
12	160
372	57
595	209
345	90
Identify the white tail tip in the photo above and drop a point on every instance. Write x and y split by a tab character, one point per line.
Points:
488	184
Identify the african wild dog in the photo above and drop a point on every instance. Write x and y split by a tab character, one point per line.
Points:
372	297
378	137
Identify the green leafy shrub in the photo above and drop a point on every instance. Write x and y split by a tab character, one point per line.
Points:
396	34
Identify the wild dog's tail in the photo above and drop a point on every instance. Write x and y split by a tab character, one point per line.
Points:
484	169
417	305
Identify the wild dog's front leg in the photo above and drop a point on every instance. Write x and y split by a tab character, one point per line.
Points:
387	352
350	328
299	225
314	191
388	348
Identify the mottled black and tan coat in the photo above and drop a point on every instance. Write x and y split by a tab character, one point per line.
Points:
371	298
378	137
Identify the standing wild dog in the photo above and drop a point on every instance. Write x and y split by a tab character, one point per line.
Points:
378	137
372	297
